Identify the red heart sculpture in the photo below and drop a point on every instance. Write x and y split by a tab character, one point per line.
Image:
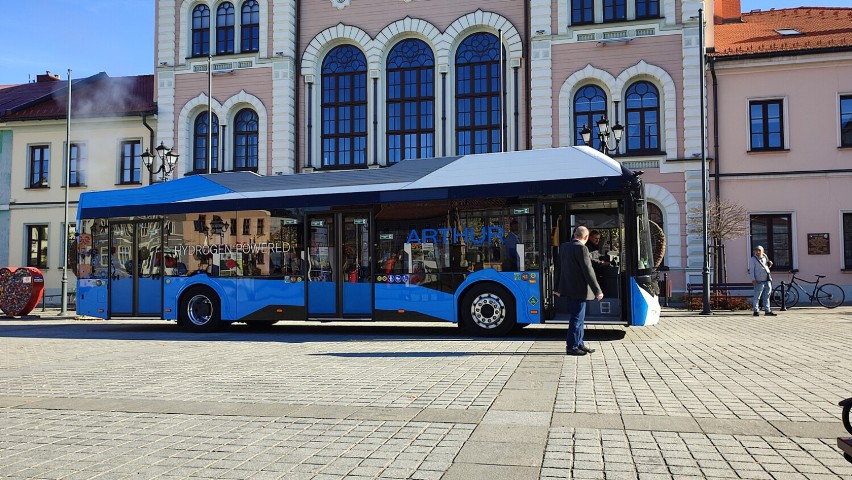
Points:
20	290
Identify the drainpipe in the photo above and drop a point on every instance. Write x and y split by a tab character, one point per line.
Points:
297	84
527	73
150	143
716	179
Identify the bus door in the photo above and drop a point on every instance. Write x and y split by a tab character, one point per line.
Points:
606	218
357	285
550	235
322	266
135	270
605	221
339	276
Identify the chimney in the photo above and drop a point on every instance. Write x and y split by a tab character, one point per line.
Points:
47	77
727	11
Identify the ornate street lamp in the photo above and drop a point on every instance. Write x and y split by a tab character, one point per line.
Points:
167	159
604	134
217	226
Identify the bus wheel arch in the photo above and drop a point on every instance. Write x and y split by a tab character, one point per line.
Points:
488	309
200	310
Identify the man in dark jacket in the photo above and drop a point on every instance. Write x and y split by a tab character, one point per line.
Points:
577	283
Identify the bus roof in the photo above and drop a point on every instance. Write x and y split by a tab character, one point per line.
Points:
521	173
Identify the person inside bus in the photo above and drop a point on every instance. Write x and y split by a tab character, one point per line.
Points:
600	262
511	262
594	243
577	283
395	263
596	250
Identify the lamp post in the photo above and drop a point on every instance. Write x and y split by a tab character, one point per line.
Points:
217	226
64	301
705	272
604	134
209	114
167	158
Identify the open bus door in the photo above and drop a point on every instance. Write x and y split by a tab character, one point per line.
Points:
606	217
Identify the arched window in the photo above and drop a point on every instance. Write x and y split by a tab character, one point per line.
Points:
589	107
225	29
344	108
245	140
478	103
250	27
200	31
411	101
643	118
199	151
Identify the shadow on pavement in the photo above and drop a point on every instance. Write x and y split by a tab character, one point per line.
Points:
285	332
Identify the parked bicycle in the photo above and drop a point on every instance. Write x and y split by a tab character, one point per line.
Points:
828	295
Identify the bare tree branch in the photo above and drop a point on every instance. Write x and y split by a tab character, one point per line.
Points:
725	220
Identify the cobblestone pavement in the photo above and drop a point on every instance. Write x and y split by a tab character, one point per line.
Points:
727	396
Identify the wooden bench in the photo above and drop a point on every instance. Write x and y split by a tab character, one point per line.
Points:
720	292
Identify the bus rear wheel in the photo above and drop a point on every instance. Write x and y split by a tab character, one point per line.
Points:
200	311
488	310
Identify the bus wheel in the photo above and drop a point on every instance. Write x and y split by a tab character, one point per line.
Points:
200	311
488	310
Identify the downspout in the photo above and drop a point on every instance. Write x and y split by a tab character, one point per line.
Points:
150	143
527	73
297	88
716	179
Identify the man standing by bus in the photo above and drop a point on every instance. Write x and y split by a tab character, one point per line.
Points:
578	284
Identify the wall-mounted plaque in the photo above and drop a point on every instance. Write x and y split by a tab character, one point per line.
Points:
818	244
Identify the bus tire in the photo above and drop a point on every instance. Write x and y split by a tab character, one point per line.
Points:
200	310
488	310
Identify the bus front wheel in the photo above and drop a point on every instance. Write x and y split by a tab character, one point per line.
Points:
200	311
488	310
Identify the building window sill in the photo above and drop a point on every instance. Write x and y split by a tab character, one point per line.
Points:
769	150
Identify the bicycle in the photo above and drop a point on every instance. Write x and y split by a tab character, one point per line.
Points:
828	295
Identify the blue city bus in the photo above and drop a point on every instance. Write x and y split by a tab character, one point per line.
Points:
471	240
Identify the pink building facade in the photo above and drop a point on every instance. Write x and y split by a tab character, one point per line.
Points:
783	105
339	84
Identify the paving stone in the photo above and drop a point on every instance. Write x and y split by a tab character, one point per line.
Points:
509	433
501	453
468	471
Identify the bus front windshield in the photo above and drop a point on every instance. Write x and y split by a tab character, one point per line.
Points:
645	251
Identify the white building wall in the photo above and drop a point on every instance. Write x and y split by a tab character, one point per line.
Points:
102	138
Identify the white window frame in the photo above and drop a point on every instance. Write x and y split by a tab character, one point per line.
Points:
785	117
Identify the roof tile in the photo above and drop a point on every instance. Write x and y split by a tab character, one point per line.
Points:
821	27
